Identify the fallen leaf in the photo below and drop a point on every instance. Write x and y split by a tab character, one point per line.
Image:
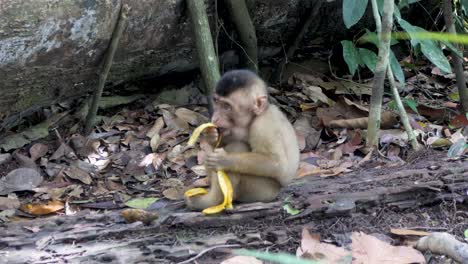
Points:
9	203
141	203
21	179
78	174
155	141
191	117
311	248
242	260
156	128
38	150
43	209
175	123
174	193
199	170
63	150
369	249
134	215
408	232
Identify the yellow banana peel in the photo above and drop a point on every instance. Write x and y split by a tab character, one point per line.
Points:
223	179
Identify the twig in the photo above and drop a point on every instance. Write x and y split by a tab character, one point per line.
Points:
107	63
206	250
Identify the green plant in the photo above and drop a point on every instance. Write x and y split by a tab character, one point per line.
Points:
421	40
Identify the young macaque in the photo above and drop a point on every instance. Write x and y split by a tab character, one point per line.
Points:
258	150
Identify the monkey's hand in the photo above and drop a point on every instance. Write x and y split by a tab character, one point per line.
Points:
218	160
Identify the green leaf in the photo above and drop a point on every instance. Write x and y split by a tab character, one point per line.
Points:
141	203
380	6
353	10
275	257
392	105
464	4
369	58
435	55
457	148
291	210
411	104
350	55
396	68
406	3
428	47
454	49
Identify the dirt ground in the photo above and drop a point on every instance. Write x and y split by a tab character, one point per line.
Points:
178	235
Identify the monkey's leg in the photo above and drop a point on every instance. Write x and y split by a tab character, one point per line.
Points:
253	188
213	197
214	200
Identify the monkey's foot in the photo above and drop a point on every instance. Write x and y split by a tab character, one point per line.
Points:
226	189
195	191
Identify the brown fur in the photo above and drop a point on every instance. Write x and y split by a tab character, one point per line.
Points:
260	151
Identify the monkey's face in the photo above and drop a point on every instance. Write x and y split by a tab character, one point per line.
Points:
233	114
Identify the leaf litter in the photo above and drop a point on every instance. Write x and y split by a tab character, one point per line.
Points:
137	157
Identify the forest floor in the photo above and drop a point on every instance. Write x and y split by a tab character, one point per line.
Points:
64	197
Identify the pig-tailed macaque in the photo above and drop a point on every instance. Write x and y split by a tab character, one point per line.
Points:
258	149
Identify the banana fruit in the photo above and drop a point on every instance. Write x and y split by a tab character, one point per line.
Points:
223	179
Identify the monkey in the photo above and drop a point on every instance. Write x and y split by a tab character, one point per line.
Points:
258	150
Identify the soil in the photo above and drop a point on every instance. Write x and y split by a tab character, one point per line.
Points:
427	193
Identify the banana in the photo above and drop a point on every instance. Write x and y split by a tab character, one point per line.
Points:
223	179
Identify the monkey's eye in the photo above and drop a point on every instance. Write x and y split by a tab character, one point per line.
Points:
227	107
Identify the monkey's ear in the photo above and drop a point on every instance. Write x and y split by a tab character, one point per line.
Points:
260	104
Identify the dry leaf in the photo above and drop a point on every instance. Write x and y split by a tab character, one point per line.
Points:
174	193
78	174
191	117
311	248
155	141
43	209
158	125
38	150
199	170
133	215
242	260
21	179
369	249
175	123
408	232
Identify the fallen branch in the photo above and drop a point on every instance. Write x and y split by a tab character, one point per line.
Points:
444	244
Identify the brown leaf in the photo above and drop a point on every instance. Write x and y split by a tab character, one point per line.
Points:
191	117
175	123
156	128
78	174
311	248
369	249
63	150
155	141
134	215
9	203
174	193
408	232
21	179
43	209
38	150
